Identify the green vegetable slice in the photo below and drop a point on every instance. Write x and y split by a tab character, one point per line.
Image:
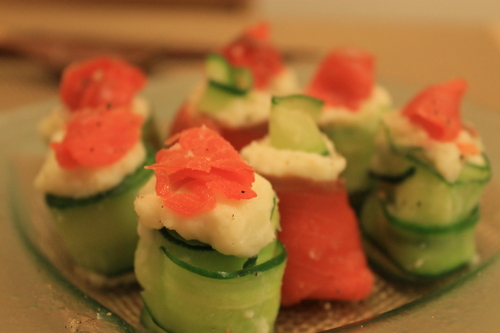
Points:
181	295
419	252
291	124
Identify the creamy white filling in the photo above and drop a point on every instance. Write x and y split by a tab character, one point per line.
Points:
444	156
270	161
59	116
254	107
368	111
83	182
234	227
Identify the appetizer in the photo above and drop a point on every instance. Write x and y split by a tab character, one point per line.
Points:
90	179
208	259
430	170
96	83
235	95
354	105
318	226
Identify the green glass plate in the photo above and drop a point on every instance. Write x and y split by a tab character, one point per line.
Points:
42	291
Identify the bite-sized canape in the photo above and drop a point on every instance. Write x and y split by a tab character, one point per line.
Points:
430	170
318	226
208	259
95	83
235	94
90	179
354	105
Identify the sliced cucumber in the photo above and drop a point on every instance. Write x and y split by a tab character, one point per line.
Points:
226	84
356	142
217	97
100	232
422	222
311	105
219	70
292	127
193	289
421	252
424	196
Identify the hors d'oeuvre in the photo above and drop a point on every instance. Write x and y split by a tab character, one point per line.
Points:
96	83
235	94
208	259
354	105
90	179
318	226
430	170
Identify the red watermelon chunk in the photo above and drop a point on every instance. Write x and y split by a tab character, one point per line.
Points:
437	109
198	164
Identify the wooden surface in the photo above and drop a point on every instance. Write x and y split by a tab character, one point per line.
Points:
417	53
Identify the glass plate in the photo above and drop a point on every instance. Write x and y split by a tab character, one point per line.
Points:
42	291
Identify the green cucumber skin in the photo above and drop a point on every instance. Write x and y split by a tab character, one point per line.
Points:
421	253
150	133
149	323
216	98
423	197
100	232
422	223
356	144
179	299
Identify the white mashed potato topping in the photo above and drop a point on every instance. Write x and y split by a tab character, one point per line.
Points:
57	118
234	227
444	156
82	182
270	161
254	107
368	111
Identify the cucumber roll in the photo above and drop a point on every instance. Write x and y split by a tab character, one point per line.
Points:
100	82
429	170
354	105
208	259
318	226
235	94
90	179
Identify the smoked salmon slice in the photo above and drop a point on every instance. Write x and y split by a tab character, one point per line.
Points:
197	165
320	232
99	137
100	81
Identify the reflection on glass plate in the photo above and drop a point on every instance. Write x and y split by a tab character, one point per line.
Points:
42	291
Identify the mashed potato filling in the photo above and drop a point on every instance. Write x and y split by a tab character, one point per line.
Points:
254	107
444	156
234	227
270	161
369	111
83	182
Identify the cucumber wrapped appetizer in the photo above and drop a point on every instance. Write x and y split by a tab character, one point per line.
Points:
100	82
90	178
430	171
235	96
319	228
208	259
354	105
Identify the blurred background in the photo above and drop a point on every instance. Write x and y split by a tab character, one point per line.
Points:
416	41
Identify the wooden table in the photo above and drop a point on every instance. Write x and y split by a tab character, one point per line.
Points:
414	52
